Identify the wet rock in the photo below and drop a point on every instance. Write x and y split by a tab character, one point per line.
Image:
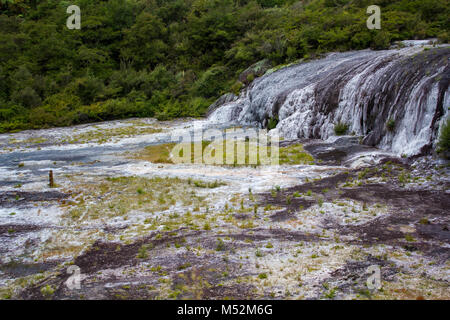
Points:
17	198
13	230
16	269
226	98
363	89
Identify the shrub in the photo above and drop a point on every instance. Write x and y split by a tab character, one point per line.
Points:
390	125
27	97
88	89
444	37
340	128
444	139
220	245
143	251
47	291
272	123
381	41
236	87
211	83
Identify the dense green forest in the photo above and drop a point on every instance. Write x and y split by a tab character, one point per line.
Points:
172	58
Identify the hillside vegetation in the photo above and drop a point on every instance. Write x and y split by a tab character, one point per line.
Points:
172	58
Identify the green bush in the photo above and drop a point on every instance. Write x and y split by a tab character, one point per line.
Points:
211	83
340	128
390	125
88	89
26	97
236	87
381	41
444	139
47	291
272	123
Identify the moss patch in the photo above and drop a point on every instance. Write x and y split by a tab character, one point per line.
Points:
295	154
290	155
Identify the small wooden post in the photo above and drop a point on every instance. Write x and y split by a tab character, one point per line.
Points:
51	182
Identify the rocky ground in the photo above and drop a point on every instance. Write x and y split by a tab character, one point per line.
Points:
141	230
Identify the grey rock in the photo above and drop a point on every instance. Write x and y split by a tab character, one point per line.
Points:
226	98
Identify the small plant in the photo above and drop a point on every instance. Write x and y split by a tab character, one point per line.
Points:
220	245
47	291
444	139
236	87
390	125
320	202
288	200
363	174
6	296
184	266
275	191
262	276
366	293
174	295
340	128
404	178
272	123
330	294
143	252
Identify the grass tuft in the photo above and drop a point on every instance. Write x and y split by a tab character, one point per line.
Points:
340	128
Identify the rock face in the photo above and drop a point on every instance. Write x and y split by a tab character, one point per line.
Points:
395	99
226	98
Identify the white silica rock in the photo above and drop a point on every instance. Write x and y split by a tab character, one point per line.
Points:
363	89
